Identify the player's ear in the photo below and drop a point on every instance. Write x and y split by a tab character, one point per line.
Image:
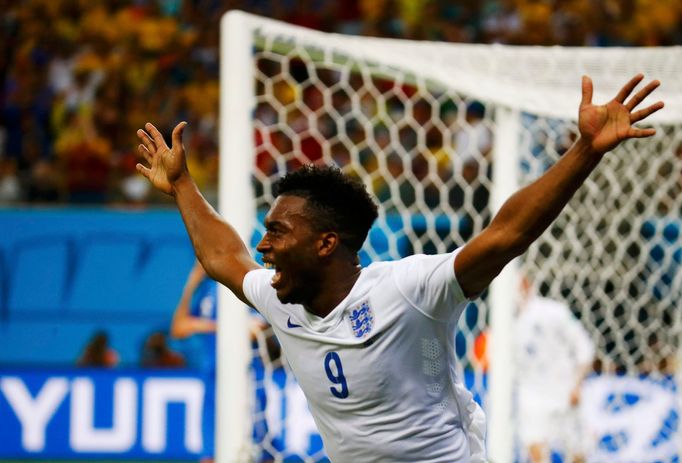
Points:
327	243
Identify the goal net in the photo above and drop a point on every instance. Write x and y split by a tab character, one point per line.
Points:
441	134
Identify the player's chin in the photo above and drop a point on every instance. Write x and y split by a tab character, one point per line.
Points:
283	294
287	295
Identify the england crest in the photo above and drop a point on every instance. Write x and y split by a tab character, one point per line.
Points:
361	320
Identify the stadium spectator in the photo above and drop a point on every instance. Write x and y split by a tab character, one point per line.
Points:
9	181
84	157
43	184
473	138
553	355
157	354
98	353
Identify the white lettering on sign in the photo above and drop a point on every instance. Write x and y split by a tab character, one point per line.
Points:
158	393
34	413
84	437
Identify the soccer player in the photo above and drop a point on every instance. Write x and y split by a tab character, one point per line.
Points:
372	348
553	355
195	314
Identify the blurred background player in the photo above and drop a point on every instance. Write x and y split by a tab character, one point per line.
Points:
196	313
553	354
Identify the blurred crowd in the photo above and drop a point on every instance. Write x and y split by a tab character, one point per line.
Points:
77	77
156	353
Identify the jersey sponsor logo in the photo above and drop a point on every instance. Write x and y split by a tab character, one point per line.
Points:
361	320
290	324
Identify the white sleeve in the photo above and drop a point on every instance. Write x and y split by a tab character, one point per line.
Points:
257	289
430	285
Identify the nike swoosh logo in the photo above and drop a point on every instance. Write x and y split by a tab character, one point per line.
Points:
292	325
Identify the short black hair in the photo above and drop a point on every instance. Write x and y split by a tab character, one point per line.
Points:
338	202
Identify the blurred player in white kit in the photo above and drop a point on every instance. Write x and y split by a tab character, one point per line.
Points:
553	355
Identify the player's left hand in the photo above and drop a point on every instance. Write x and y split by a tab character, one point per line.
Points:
605	126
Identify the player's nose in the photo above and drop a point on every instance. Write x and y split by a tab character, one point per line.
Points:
264	244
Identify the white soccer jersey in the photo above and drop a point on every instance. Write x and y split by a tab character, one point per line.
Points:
379	371
552	347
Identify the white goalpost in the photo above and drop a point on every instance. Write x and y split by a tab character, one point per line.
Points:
442	134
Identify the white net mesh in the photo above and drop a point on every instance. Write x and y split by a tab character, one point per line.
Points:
415	122
613	257
614	253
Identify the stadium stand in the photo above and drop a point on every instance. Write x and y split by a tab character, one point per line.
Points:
104	278
87	60
41	268
75	272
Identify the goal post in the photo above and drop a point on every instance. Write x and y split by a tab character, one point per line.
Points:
442	134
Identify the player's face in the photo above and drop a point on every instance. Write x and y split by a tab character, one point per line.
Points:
290	245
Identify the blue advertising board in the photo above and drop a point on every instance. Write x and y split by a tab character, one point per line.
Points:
88	414
80	414
117	414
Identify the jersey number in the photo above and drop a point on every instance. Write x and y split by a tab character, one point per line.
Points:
341	388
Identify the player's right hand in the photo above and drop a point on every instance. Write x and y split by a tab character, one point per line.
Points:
166	165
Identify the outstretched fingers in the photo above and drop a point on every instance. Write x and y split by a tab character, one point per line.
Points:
646	112
628	88
144	152
147	141
177	133
155	134
143	170
642	94
587	90
641	133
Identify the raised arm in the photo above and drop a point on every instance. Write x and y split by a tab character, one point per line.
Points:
217	245
529	211
184	324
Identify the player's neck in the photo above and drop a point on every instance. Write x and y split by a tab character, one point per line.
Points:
335	285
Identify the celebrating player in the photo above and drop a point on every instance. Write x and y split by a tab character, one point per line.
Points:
372	348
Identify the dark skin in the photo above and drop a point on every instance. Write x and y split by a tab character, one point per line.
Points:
322	271
318	271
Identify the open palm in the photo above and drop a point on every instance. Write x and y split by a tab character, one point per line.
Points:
166	165
604	126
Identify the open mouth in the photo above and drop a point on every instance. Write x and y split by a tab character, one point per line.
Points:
277	277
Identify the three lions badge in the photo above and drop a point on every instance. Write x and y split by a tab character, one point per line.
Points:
361	320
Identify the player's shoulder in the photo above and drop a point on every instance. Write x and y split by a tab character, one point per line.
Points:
256	285
258	275
403	266
420	273
418	266
415	260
